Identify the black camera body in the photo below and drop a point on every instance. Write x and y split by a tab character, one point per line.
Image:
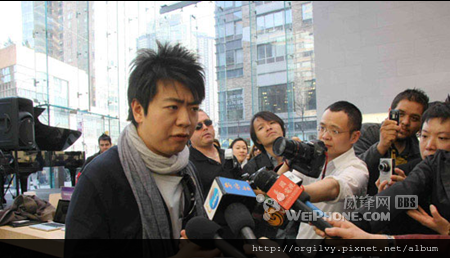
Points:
395	115
306	157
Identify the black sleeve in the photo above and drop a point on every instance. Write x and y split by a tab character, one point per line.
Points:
250	167
86	217
418	182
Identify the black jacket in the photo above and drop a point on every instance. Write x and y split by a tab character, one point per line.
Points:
208	169
103	206
257	162
366	149
430	178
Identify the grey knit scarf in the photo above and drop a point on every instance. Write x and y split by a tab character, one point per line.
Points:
155	220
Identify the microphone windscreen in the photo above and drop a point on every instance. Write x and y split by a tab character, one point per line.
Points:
265	179
238	217
202	228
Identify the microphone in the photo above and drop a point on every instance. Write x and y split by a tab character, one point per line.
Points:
206	234
225	191
240	220
286	193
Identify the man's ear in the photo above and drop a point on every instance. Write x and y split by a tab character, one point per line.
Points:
138	111
355	137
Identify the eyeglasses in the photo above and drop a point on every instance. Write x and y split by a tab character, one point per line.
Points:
207	122
332	132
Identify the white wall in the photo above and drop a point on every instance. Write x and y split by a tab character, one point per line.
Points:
367	52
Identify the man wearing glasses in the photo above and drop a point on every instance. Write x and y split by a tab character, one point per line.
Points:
344	174
207	157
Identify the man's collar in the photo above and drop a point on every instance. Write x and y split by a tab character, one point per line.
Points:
342	159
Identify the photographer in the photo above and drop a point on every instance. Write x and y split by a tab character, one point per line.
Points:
429	177
344	174
376	139
265	128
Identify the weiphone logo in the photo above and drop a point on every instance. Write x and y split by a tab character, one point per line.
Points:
274	213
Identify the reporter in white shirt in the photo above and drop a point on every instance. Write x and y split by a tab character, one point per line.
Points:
345	174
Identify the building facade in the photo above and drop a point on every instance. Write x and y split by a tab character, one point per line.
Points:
265	62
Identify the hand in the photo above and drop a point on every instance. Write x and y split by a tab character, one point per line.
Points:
258	191
296	139
394	178
268	253
388	134
399	177
381	187
344	229
436	223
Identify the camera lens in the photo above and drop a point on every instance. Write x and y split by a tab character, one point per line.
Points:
384	166
279	146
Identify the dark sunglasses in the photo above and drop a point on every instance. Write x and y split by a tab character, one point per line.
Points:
207	122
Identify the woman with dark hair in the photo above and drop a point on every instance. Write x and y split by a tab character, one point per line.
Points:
265	128
240	150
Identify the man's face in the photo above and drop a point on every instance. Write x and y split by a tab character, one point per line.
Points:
170	119
267	131
335	133
410	115
104	145
204	137
435	135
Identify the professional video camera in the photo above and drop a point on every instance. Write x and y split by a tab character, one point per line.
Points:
306	157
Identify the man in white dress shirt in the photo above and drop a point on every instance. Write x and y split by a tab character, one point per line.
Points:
345	174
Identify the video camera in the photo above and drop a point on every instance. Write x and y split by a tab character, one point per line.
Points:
306	157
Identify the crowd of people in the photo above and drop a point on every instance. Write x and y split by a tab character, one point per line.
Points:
157	177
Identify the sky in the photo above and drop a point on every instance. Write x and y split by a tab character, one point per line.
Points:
10	21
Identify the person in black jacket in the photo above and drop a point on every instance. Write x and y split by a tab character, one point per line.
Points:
145	187
206	156
376	139
429	179
265	128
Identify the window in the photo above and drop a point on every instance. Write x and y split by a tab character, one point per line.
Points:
271	52
307	11
235	73
238	28
230	57
229	29
228	4
239	56
273	98
234	108
237	15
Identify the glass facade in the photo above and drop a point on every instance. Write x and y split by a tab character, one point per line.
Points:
74	59
277	71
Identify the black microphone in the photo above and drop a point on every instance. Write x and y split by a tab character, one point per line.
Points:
266	179
206	234
240	220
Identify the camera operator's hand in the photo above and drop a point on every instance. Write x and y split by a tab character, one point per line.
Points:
388	134
285	167
394	179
